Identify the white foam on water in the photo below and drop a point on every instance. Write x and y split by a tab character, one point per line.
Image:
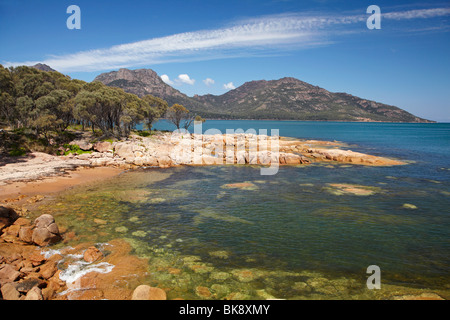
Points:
51	252
78	269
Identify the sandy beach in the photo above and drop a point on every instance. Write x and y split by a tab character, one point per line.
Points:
49	185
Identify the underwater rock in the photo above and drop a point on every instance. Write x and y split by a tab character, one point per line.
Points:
100	221
237	296
174	270
306	185
220	275
121	229
409	206
139	233
157	200
203	292
201	268
244	275
209	213
241	185
353	189
222	254
263	294
220	290
423	296
301	286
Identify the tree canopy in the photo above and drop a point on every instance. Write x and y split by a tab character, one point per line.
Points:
50	102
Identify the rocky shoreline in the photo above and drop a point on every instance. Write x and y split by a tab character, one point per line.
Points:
30	269
166	150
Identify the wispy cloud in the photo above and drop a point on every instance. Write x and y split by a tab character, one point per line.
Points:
261	35
417	14
208	82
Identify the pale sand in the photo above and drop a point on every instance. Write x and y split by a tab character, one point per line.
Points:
57	183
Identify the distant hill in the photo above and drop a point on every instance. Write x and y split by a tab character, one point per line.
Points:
43	67
142	82
283	99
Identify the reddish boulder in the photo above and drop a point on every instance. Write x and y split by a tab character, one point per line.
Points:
34	294
144	292
46	231
7	217
8	273
92	254
48	269
103	146
9	292
26	234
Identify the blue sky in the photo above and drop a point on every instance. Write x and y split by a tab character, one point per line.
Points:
324	42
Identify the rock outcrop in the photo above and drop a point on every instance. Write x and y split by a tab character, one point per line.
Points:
29	276
7	217
46	231
166	150
42	232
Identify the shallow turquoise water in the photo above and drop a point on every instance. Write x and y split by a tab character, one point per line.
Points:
293	221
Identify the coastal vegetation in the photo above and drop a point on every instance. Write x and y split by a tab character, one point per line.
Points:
43	110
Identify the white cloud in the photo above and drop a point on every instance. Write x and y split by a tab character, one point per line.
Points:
208	82
184	78
229	86
258	35
417	14
166	79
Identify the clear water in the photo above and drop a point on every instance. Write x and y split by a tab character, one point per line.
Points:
291	235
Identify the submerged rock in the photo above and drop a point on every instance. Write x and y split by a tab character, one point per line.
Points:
203	292
353	189
139	233
241	185
219	275
121	229
423	296
409	206
220	254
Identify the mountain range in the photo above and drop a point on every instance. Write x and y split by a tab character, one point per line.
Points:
283	99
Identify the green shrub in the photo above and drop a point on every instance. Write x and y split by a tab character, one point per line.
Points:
73	148
143	133
17	152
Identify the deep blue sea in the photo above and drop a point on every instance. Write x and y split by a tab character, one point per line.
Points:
292	230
